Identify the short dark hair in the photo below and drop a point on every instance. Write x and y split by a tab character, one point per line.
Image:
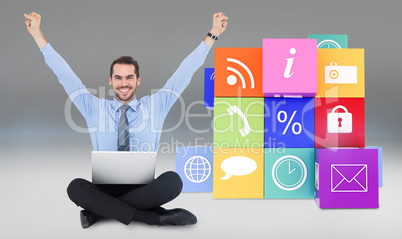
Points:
126	60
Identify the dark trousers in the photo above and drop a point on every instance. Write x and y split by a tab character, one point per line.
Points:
121	201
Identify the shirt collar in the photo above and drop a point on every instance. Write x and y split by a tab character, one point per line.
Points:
133	104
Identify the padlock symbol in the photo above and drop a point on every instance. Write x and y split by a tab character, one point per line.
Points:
339	122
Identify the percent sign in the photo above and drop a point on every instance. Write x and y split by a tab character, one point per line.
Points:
285	118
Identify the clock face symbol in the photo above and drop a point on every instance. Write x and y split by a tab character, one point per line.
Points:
328	44
289	173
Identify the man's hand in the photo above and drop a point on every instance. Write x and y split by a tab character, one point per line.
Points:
33	26
33	23
219	24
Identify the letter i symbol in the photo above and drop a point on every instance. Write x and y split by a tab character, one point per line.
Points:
289	63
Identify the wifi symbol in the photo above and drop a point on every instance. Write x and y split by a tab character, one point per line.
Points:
232	79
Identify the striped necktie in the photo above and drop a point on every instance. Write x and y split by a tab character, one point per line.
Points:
123	139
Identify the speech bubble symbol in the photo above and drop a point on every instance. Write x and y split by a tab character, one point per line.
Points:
238	165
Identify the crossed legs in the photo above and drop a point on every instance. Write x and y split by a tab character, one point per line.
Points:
109	204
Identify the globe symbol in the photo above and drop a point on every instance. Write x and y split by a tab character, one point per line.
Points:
197	169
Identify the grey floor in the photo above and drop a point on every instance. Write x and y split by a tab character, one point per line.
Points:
34	204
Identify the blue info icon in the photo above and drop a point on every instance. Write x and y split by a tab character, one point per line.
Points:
195	167
289	123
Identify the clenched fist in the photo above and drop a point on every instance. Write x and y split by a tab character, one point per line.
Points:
33	26
33	23
219	23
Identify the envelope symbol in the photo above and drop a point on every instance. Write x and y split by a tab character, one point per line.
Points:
349	178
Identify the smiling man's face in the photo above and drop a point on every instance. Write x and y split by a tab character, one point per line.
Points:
124	82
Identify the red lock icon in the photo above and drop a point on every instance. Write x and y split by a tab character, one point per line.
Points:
339	122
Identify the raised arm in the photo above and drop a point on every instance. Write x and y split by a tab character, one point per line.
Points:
83	100
167	96
33	26
219	24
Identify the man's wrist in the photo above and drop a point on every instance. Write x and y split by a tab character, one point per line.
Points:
214	32
212	36
39	39
37	34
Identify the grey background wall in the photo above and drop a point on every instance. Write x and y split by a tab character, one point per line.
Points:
41	153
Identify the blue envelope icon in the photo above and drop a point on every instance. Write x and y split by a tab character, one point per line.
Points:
349	178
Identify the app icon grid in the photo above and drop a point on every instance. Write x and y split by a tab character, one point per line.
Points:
289	114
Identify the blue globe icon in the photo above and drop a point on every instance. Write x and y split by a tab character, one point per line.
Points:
197	169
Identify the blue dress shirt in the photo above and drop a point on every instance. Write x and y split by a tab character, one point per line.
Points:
145	116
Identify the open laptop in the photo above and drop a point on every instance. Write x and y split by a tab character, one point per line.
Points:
123	167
